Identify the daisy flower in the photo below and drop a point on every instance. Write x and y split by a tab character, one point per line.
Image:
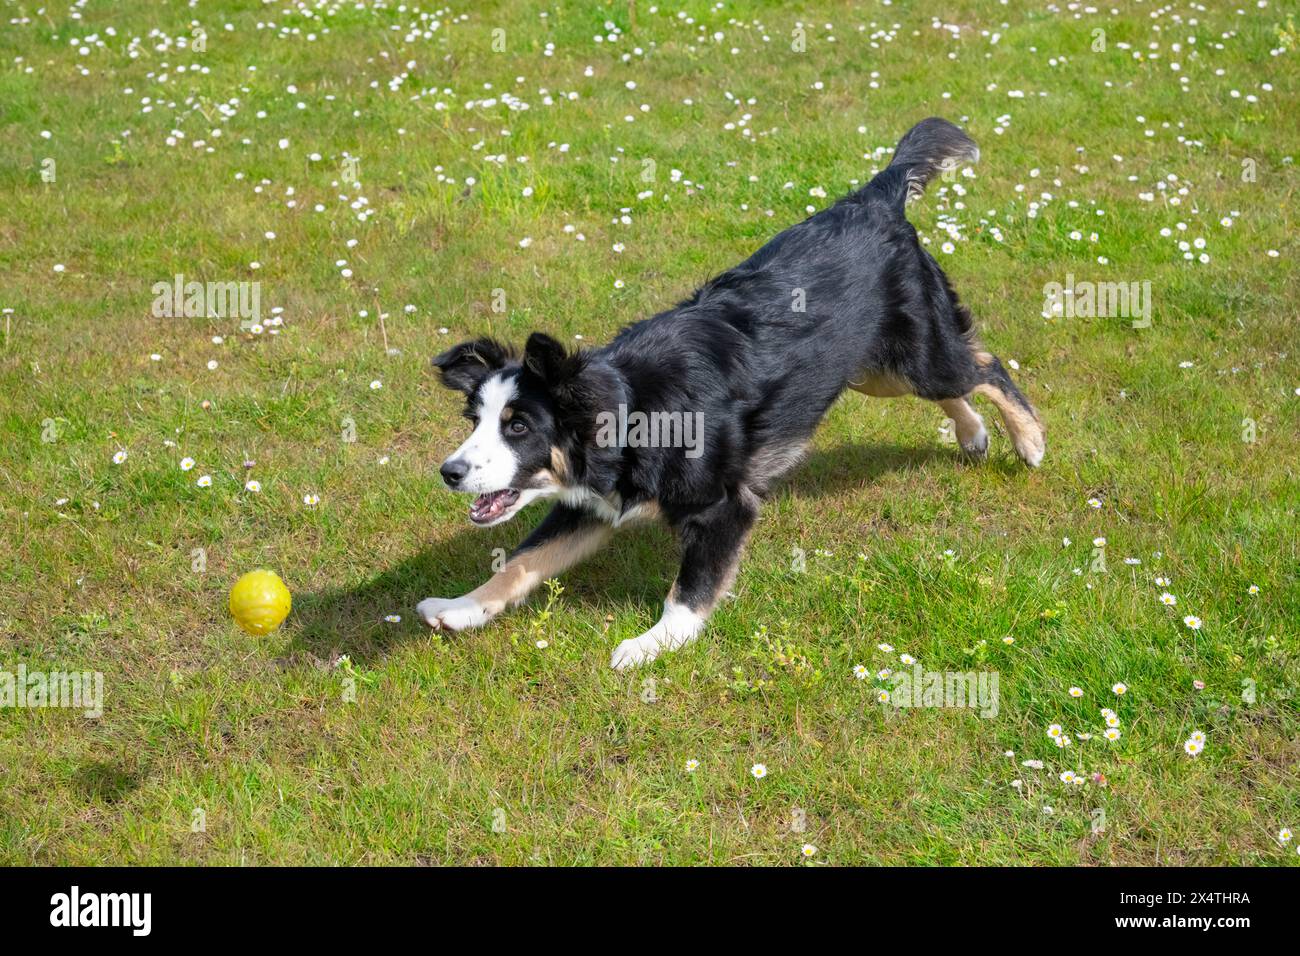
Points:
1113	733
1119	689
809	850
1112	721
1067	777
1168	599
1008	639
887	648
1284	835
1076	691
311	501
393	618
907	658
883	697
1193	622
205	481
119	457
692	765
1253	589
860	672
1193	747
1054	731
1197	735
253	485
543	645
187	464
759	771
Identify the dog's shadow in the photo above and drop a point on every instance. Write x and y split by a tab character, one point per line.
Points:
638	569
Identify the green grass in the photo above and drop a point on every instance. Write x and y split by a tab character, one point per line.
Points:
449	735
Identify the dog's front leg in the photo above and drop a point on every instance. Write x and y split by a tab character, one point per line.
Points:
565	537
712	540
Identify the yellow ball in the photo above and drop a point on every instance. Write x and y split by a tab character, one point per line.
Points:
259	601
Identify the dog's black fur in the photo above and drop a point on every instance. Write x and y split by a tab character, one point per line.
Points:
877	309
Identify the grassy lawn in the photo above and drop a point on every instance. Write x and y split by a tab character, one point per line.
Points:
399	180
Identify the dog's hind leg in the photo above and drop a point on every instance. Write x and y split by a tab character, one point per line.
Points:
712	540
969	426
1022	421
967	423
565	537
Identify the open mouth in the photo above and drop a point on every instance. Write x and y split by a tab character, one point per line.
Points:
491	506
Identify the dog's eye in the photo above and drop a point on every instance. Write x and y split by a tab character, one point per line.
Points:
516	427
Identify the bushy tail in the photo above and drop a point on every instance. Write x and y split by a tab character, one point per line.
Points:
927	149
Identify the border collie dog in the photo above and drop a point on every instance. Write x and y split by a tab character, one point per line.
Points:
732	382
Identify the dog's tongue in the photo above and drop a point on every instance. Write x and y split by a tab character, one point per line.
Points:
490	506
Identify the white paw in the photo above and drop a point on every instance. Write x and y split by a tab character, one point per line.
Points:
976	446
678	626
634	652
1031	450
452	614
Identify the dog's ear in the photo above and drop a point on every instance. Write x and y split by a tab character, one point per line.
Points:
581	386
464	366
549	361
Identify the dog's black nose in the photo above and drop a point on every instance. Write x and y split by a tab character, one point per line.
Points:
453	472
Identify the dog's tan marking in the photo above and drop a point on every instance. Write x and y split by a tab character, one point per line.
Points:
1022	424
645	511
507	413
882	385
559	465
525	571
